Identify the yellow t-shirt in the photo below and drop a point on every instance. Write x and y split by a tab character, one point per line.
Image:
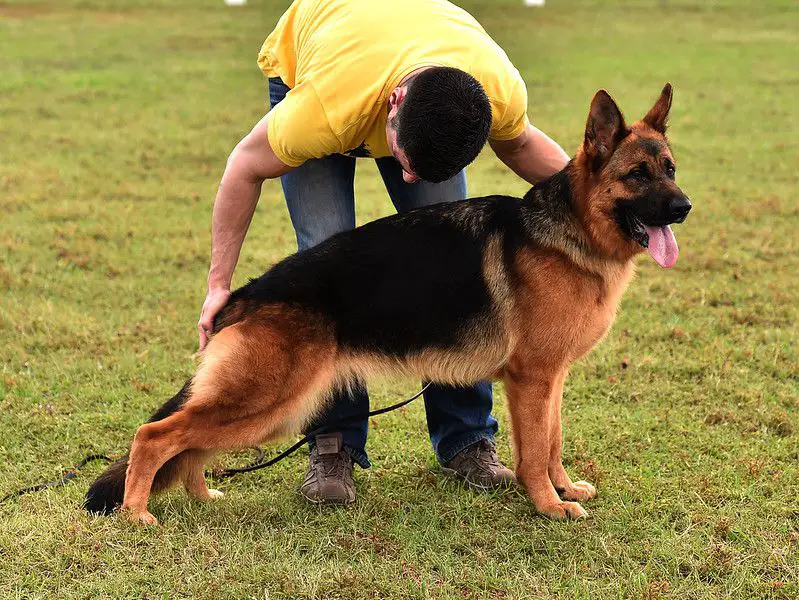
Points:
342	59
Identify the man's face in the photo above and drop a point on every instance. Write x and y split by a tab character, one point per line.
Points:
394	102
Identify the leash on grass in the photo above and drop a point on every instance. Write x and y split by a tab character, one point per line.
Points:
258	463
68	476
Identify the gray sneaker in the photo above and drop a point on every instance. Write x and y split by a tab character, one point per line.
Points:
329	477
479	466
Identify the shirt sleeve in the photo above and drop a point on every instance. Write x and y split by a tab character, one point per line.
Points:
513	119
298	128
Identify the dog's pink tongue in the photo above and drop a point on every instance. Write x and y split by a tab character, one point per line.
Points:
662	245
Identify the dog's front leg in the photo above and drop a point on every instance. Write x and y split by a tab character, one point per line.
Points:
568	490
530	397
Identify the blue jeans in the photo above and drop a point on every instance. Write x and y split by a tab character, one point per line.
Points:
321	203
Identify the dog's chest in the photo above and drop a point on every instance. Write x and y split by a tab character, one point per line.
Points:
594	317
567	311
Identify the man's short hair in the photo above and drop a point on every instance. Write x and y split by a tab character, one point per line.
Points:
443	122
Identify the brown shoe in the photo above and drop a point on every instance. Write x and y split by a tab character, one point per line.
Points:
479	466
329	477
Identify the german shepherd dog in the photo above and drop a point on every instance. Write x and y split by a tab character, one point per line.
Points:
489	288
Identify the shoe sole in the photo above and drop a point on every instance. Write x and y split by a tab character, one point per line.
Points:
477	487
328	501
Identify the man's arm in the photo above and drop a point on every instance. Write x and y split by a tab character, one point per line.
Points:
533	155
252	161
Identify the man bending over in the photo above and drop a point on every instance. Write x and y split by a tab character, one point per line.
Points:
419	87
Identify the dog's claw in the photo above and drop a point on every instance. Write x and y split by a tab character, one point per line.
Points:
564	510
579	490
141	518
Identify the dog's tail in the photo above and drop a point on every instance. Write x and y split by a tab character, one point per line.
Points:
107	492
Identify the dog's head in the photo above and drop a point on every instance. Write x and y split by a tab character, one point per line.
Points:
630	197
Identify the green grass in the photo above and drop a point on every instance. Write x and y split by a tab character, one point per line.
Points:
116	119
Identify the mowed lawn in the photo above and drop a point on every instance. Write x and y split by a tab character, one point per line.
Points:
116	118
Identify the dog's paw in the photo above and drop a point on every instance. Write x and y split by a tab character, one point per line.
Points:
579	490
561	511
140	517
215	494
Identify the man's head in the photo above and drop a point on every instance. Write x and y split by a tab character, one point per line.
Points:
438	122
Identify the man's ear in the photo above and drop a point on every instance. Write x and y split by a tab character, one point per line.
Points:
658	115
604	129
395	100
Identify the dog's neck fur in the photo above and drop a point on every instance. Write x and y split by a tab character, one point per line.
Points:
551	220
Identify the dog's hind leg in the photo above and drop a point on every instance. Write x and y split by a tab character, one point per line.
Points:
152	447
257	379
193	475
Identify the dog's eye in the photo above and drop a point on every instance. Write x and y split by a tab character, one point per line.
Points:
671	171
639	172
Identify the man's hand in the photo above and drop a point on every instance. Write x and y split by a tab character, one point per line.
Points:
214	301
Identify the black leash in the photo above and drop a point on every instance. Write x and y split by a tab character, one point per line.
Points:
68	476
258	463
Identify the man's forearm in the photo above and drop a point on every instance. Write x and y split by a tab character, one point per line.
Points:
535	157
250	163
233	210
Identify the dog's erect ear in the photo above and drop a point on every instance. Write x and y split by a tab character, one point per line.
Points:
658	115
604	130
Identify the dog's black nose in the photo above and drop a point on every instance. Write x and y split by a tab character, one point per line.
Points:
679	208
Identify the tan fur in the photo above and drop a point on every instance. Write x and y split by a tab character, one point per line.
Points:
268	374
265	377
260	379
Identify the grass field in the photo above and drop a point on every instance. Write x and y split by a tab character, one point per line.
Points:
116	118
